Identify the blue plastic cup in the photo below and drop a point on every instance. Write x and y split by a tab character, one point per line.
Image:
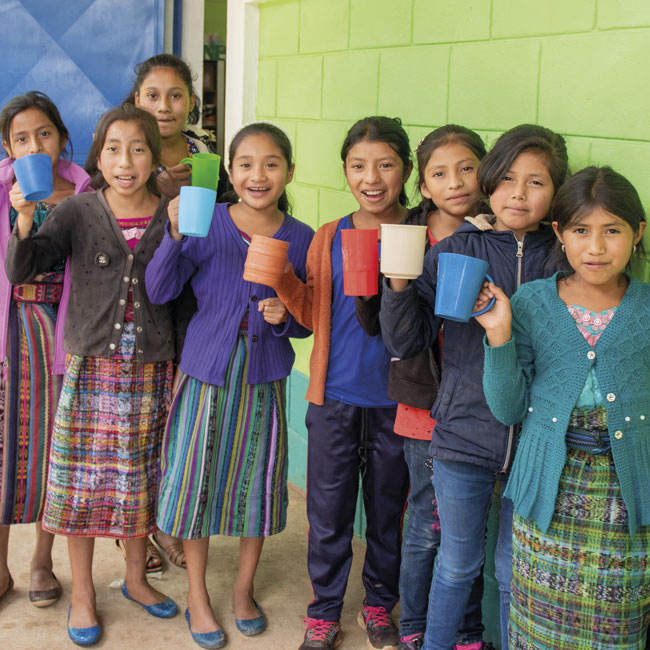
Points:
460	278
34	176
195	210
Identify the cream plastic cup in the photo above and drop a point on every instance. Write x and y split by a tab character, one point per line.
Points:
402	250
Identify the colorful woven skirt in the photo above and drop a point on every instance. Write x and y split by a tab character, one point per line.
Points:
224	459
585	583
105	453
28	397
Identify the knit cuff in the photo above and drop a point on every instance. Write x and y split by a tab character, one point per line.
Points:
502	356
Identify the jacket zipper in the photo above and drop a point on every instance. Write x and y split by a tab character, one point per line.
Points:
511	429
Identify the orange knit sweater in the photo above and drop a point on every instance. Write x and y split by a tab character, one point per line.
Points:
311	305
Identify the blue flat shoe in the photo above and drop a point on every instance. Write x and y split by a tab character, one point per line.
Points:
252	626
166	609
216	639
84	636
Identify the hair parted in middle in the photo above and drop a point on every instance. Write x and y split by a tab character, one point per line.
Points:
378	128
124	113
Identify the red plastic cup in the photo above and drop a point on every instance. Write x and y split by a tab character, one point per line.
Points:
360	262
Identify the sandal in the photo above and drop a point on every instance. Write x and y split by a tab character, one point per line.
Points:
154	559
46	597
174	551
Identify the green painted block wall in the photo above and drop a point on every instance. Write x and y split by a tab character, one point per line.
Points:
577	67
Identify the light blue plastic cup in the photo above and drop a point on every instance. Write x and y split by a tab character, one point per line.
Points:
195	210
460	278
34	176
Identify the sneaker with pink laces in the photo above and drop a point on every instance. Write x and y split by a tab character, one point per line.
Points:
379	626
412	642
321	635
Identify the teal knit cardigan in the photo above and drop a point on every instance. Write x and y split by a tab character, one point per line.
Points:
537	376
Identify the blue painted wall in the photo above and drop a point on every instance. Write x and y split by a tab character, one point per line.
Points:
79	52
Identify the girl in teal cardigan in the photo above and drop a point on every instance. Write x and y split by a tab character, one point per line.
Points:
571	361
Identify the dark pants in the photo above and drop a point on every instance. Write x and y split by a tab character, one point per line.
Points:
345	442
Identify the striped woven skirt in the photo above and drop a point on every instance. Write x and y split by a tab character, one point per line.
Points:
28	397
104	461
224	458
585	583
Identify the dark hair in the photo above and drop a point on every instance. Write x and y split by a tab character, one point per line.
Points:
34	99
525	137
378	128
279	137
124	113
445	135
178	65
597	187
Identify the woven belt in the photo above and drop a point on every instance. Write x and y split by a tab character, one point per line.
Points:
49	293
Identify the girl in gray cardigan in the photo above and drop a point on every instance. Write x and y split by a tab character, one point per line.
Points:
103	470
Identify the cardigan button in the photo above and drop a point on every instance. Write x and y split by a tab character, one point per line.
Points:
130	257
591	355
118	326
253	298
530	409
618	435
122	301
136	304
627	418
642	417
138	330
135	280
611	397
554	419
254	339
140	351
126	279
112	346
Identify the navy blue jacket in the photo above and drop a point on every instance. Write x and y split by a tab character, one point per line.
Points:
465	428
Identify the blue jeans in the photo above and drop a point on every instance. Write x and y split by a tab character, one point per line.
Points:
419	549
464	492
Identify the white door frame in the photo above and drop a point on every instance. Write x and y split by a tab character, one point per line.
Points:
241	64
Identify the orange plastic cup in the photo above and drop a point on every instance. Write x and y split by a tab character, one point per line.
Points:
266	260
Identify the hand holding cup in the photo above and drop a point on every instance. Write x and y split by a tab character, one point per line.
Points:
25	210
172	213
171	179
497	321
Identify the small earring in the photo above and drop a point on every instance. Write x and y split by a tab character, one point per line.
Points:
563	249
634	248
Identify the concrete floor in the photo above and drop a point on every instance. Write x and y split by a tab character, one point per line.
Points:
282	589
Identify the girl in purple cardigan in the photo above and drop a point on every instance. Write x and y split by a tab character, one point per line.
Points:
224	459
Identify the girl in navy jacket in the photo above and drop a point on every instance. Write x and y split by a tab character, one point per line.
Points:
470	448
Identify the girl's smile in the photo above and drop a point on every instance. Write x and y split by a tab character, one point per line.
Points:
259	171
450	180
375	175
126	162
599	246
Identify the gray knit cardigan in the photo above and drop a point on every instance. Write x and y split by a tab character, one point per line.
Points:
102	268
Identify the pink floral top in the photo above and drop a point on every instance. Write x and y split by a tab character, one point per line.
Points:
591	325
